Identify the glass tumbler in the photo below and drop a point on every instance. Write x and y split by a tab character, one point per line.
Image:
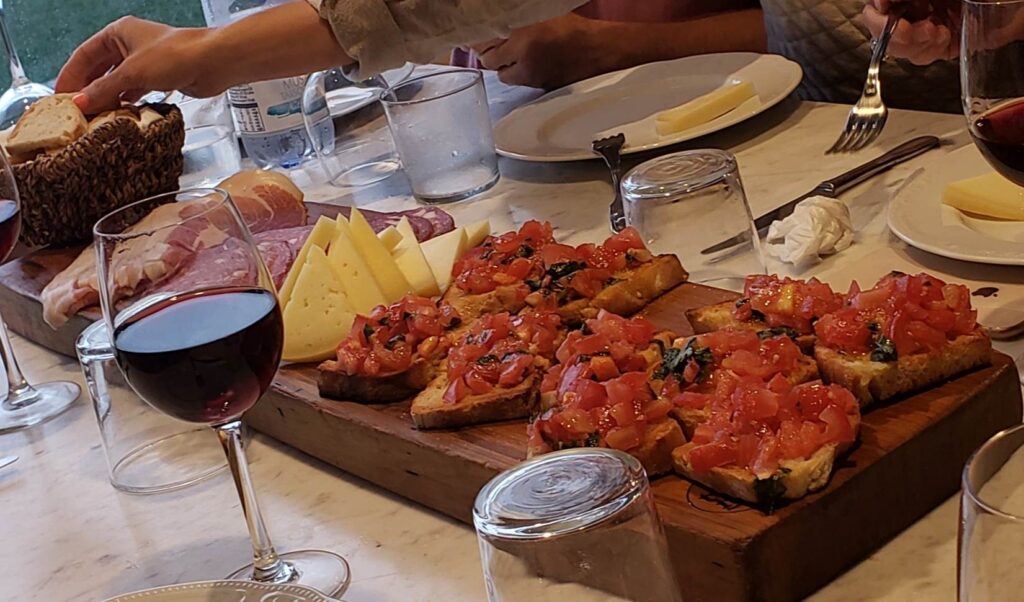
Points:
578	525
442	129
687	202
147	452
992	520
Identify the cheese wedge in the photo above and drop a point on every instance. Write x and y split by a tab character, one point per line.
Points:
704	108
442	253
352	270
390	237
321	236
382	265
413	264
990	195
320	315
476	233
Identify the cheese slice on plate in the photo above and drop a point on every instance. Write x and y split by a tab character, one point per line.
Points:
320	236
705	108
990	195
476	233
320	315
390	237
382	265
413	264
442	253
352	270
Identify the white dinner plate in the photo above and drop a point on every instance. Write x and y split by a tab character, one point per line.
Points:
225	591
918	216
561	125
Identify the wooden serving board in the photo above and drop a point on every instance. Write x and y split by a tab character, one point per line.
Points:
908	461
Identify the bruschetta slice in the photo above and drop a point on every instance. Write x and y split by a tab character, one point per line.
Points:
904	334
768	442
778	305
391	354
492	372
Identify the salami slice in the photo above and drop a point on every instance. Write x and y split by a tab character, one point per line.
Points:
440	220
279	248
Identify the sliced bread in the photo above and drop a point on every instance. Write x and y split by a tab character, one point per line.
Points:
52	122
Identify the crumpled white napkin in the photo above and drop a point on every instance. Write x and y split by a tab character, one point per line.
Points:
818	226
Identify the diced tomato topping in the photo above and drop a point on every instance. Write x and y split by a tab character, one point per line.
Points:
785	302
504	260
386	341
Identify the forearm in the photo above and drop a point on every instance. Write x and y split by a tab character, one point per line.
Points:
279	42
638	43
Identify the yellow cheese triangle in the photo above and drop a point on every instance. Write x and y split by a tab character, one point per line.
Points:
990	195
382	266
410	259
319	315
442	253
321	236
352	270
476	233
703	109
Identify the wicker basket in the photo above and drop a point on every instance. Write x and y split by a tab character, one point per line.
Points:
63	195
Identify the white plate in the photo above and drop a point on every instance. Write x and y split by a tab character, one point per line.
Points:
225	591
561	125
918	216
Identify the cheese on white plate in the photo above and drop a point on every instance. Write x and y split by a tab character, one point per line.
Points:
705	108
442	253
352	270
382	265
476	233
413	264
989	195
320	236
319	315
390	237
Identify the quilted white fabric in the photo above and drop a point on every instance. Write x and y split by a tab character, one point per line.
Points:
825	37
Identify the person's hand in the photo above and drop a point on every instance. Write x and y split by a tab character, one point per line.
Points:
925	35
131	57
549	54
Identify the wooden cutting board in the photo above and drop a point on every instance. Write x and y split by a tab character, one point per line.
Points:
908	461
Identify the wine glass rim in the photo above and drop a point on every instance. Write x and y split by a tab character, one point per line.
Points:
388	93
199	192
992	2
965	482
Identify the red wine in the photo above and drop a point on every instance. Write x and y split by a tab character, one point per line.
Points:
10	227
205	356
999	135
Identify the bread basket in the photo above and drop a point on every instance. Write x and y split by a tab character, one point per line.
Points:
64	194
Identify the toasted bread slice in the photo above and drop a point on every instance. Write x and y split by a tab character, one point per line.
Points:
51	122
632	290
335	384
471	307
872	381
431	411
654	452
793	480
719	317
129	112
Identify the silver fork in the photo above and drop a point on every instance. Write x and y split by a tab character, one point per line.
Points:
610	149
868	116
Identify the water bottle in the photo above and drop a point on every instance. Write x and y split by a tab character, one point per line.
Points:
267	114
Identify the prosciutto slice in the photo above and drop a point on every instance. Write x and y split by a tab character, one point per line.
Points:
266	201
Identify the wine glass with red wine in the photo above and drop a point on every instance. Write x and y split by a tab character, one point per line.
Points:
25	404
198	334
991	63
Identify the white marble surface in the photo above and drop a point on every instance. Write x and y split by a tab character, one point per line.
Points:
67	535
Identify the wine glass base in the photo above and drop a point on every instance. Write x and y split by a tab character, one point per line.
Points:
321	570
51	399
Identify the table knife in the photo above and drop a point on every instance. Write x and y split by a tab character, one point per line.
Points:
834	187
8	461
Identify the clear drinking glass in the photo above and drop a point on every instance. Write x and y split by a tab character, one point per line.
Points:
211	154
25	404
578	525
345	121
147	451
442	129
204	345
686	202
992	521
23	92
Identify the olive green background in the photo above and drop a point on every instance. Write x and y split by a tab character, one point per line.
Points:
46	31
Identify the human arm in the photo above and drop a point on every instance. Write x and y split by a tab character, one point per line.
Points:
571	48
929	33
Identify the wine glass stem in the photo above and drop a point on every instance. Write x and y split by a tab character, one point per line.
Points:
18	77
19	392
268	567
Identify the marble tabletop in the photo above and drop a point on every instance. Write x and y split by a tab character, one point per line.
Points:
68	535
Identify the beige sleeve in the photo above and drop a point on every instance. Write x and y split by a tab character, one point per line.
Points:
384	34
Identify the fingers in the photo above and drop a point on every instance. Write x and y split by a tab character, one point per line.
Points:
501	55
92	59
922	42
484	47
107	91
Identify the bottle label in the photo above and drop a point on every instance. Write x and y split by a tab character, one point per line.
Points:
268	106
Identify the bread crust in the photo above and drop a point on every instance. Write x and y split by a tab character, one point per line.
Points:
335	384
654	452
872	382
71	127
430	410
471	307
719	317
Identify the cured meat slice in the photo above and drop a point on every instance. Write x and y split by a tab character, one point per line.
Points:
440	220
421	226
267	200
279	248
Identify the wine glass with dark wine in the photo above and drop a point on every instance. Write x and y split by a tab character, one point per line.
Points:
200	338
25	404
991	56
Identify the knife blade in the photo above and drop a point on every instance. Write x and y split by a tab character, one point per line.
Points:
834	187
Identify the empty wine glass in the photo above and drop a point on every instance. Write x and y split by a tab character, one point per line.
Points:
23	92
